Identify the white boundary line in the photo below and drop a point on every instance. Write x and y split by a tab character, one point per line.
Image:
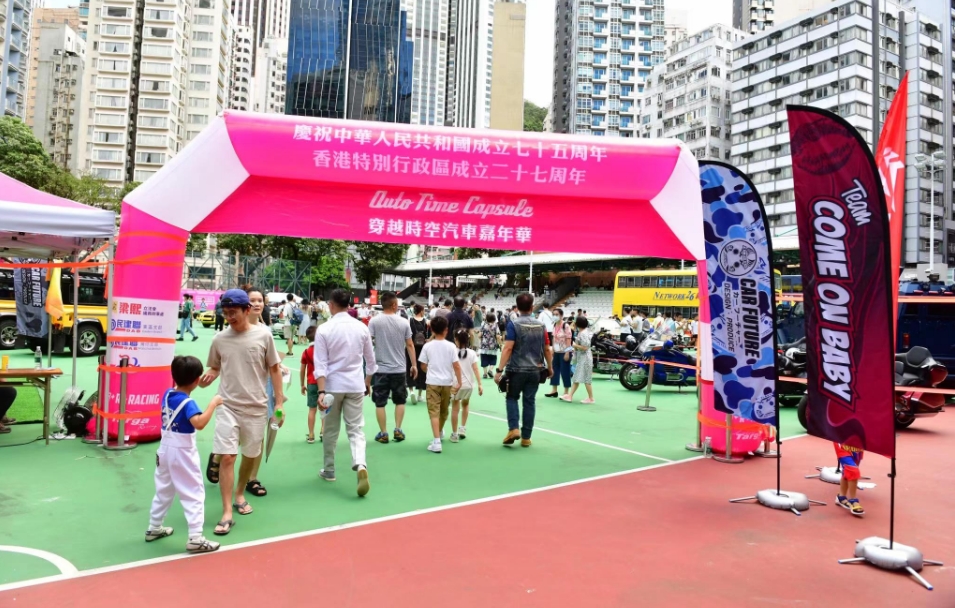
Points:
367	522
63	564
590	441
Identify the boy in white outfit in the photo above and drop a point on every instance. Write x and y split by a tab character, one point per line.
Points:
177	461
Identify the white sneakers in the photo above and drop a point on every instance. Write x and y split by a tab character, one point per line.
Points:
199	544
413	398
462	431
454	437
435	446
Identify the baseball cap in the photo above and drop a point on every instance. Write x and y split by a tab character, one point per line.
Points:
235	298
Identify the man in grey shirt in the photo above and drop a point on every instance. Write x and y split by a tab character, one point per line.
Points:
392	336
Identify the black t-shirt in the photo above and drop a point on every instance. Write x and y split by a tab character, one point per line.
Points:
458	319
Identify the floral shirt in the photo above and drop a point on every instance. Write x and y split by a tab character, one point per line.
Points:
489	335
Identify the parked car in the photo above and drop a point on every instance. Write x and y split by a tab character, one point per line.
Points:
90	322
207	318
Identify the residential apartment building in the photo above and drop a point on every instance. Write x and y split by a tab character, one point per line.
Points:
688	96
68	16
507	67
146	91
53	109
243	64
430	71
271	75
468	94
16	20
350	60
604	52
829	59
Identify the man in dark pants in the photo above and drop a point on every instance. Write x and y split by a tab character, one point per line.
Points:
220	319
459	319
526	348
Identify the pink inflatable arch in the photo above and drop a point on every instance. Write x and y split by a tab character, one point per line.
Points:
335	179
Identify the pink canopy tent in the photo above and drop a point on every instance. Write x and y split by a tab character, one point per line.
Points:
39	225
395	183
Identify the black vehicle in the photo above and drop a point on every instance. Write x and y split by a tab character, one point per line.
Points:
791	362
610	355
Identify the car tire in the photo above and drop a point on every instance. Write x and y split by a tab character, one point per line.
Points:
8	334
90	340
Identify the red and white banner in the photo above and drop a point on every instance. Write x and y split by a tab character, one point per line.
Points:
890	159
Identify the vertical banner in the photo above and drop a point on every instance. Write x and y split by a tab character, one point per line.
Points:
890	159
741	298
844	256
29	288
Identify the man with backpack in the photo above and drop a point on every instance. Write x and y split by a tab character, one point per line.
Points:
293	317
320	312
459	319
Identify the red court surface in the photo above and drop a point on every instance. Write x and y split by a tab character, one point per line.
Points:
660	537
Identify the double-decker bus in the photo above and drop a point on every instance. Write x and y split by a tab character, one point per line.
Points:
663	291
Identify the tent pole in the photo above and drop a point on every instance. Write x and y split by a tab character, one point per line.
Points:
49	322
76	299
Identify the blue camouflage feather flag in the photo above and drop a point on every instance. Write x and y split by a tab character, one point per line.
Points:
741	296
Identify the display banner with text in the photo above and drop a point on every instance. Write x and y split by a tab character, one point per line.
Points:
844	256
742	302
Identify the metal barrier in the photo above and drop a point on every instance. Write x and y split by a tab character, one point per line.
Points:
95	438
120	443
646	407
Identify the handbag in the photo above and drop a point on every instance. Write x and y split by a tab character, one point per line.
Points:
505	383
544	375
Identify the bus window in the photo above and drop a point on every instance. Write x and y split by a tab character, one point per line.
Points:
6	286
669	282
621	282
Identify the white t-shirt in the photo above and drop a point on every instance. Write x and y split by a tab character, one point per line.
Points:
440	356
287	312
468	379
547	319
363	313
625	325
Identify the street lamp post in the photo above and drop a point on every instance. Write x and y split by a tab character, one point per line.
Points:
929	164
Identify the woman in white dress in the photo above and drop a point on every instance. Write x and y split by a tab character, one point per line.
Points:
306	321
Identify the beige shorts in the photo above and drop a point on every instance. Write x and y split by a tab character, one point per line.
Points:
463	394
237	433
288	331
439	398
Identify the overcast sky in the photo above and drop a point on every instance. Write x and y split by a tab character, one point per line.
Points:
539	41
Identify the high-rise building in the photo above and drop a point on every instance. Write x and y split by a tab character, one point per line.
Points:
827	59
604	51
53	110
468	96
17	19
430	68
349	59
688	96
675	28
68	16
754	16
155	74
243	63
507	66
271	75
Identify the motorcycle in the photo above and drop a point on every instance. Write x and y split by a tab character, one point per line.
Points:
634	375
915	368
610	355
791	362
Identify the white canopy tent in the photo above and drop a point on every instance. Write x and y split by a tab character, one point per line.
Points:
36	224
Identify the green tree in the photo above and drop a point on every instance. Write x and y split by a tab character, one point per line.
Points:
534	116
466	253
371	260
23	158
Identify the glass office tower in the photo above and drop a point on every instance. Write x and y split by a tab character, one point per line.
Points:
349	59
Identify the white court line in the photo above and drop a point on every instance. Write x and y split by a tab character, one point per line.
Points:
367	522
590	441
63	564
357	524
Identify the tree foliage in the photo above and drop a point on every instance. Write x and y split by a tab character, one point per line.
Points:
534	116
467	253
371	260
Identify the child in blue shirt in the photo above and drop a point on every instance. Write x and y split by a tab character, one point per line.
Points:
177	461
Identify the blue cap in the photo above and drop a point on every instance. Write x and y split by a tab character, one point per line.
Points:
235	298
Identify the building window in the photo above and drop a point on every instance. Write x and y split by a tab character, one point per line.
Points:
141	175
198	68
112	175
155	67
198	102
152	103
157	50
159	15
111	83
159	32
201	53
109	29
107	155
155	86
110	119
198	119
105	137
202	36
117	11
145	139
112	101
204	20
114	47
198	85
114	65
151	158
158	122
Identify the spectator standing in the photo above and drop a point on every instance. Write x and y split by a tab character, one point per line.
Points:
288	331
526	350
220	319
563	351
342	349
185	318
547	318
459	319
323	314
306	322
490	344
420	334
584	366
394	345
243	358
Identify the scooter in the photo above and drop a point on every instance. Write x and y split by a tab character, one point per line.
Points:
634	375
915	368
